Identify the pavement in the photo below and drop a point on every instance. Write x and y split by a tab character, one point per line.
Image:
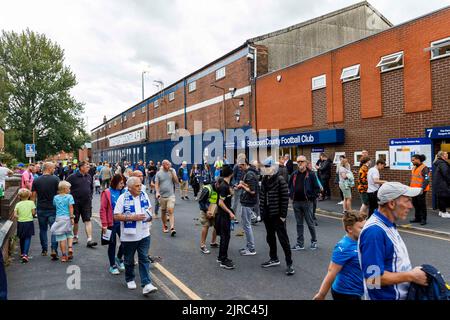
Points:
185	273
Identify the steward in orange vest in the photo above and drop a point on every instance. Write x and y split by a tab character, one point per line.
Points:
420	178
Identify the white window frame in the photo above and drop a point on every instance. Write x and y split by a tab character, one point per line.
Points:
156	103
336	157
133	114
109	125
437	43
356	156
192	86
172	96
143	109
323	78
355	76
124	117
385	153
385	65
221	73
115	123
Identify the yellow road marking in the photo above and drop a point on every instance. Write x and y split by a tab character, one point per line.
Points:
401	230
177	282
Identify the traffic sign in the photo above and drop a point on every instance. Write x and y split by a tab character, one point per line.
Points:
30	150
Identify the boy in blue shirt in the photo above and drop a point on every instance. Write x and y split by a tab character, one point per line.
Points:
63	226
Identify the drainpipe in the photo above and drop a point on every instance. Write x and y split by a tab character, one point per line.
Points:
185	103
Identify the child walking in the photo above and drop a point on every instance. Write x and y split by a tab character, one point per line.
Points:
24	212
97	184
63	226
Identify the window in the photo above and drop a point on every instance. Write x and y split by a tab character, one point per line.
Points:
382	155
220	73
109	125
440	48
391	62
143	109
133	114
171	96
319	82
350	73
115	123
124	117
156	103
356	157
192	86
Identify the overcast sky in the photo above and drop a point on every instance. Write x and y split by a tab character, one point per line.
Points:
108	43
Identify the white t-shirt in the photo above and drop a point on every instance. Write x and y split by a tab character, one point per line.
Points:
142	228
3	174
371	176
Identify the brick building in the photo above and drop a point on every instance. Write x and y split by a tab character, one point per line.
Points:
391	85
221	94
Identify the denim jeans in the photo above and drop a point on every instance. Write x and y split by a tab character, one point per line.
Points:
113	244
304	211
3	281
25	244
46	219
247	226
236	205
129	249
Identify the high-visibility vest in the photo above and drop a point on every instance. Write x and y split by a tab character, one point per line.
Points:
417	178
213	196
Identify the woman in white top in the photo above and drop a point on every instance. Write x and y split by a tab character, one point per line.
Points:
346	182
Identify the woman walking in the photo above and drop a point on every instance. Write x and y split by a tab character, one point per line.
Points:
108	203
346	182
194	180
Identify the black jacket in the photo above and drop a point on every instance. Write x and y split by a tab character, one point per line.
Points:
290	166
274	196
325	169
284	173
311	187
436	289
441	178
250	177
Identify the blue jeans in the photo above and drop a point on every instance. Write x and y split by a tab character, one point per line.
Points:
129	249
304	211
3	282
247	226
25	245
46	219
112	245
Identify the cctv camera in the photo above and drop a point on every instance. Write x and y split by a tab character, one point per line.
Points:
249	56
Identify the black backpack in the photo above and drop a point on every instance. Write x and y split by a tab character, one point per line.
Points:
437	288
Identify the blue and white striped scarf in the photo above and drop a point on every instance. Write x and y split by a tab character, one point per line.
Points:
129	209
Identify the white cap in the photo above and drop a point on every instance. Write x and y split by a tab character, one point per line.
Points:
392	190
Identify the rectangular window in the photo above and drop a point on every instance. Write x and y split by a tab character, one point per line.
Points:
133	114
391	62
109	125
156	103
350	73
192	86
220	73
171	96
143	109
440	48
115	123
319	82
124	117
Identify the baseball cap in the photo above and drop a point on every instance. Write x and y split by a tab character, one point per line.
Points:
392	190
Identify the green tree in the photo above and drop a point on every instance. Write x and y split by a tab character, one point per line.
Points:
35	94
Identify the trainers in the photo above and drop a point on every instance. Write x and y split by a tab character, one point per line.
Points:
25	258
204	250
248	252
441	213
290	271
114	270
64	258
165	229
340	203
149	288
298	247
270	263
75	240
54	255
258	219
214	245
91	244
131	285
120	265
445	215
186	198
313	245
227	264
44	253
173	232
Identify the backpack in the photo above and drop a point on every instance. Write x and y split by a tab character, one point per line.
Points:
437	288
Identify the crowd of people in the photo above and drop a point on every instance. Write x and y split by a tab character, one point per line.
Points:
249	192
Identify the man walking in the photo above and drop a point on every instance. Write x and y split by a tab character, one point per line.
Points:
44	189
106	176
165	181
248	185
303	189
28	177
383	255
183	176
151	170
238	173
274	201
288	164
133	210
374	183
324	172
82	190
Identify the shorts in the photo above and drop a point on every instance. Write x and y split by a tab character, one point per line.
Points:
364	198
65	236
167	203
84	210
184	185
347	192
205	221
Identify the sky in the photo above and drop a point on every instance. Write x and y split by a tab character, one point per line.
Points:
108	43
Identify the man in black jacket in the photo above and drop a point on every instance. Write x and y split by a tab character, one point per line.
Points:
323	167
288	164
274	201
303	190
441	183
249	186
